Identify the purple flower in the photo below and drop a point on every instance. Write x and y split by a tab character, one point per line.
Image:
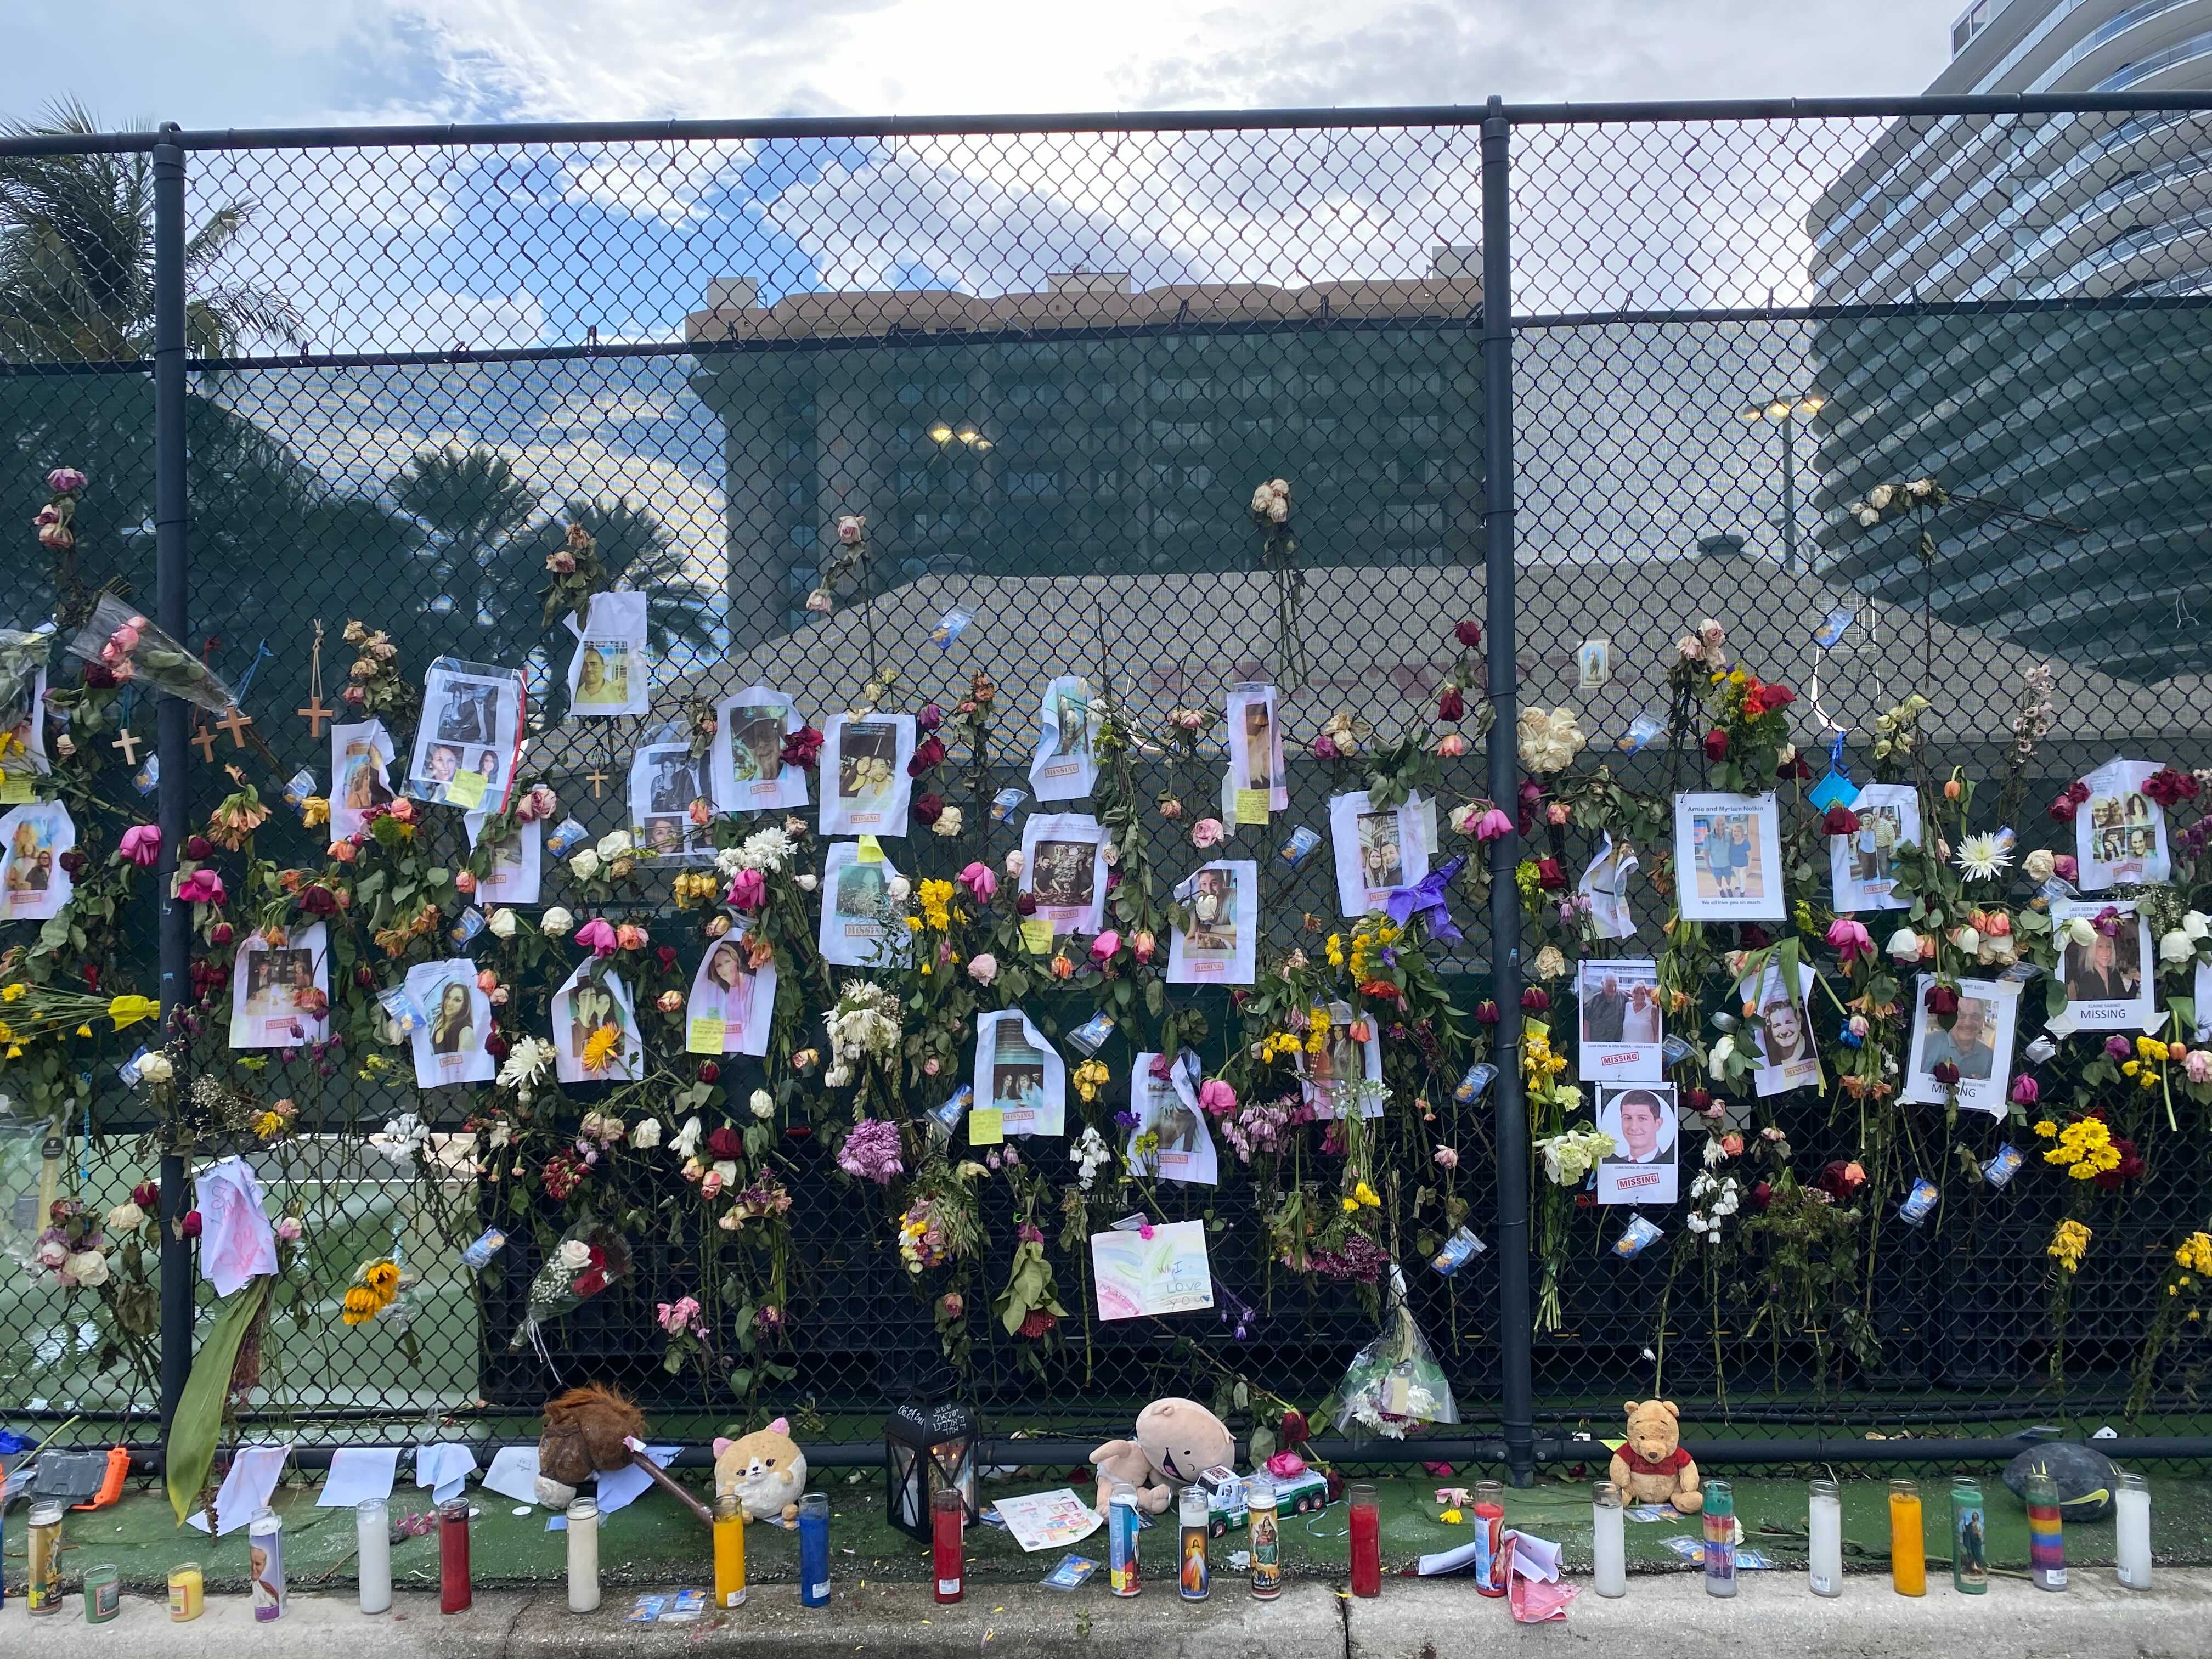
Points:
871	1151
1126	1120
1029	1235
2118	1047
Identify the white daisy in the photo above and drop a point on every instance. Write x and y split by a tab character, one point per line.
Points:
1983	857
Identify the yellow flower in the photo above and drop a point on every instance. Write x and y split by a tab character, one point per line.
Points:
914	924
1336	950
2129	1069
2070	1241
129	1010
2046	1128
2150	1047
2195	1254
381	1280
1453	1517
600	1046
16	993
1316	1042
1317	1022
1366	1195
84	1030
936	903
314	812
1350	1205
269	1124
361	1305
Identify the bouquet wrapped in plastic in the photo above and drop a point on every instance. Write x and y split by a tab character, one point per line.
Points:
127	646
590	1256
1394	1384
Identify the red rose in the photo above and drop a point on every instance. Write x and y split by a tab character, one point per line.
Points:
591	1281
1777	696
1452	705
803	748
1036	1323
1293	1431
190	1226
364	977
1468	634
1535	999
1026	904
1550	875
1942	999
72	860
147	1195
198	847
710	1072
1715	745
1485	1012
1753	936
1795	767
496	1045
319	901
726	1143
220	934
1944	1072
1699	1101
927	808
926	754
1840	821
98	677
1762	1195
666	956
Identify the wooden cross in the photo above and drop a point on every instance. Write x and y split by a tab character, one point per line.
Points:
235	723
597	778
203	740
128	745
314	714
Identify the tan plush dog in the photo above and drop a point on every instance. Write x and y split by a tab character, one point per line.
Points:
1177	1440
765	1469
1651	1467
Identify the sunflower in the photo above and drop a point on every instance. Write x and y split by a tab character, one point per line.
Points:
381	1280
361	1305
599	1048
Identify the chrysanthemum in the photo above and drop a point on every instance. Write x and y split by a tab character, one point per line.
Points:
1983	857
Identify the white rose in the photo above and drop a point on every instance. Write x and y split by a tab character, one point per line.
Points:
1869	518
808	883
2082	932
575	1255
2175	947
558	922
1261	497
156	1068
1904	945
727	1169
501	923
900	890
2196	925
646	1135
1785	754
1722	1050
614	843
1878	496
1279	511
1920	486
1015	864
126	1219
585	864
687	1137
763	1104
51	1253
2040	864
839	1076
88	1268
948	822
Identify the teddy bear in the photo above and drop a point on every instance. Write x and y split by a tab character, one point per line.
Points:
1651	1467
1177	1440
765	1469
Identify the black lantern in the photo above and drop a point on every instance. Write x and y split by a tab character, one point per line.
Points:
927	1449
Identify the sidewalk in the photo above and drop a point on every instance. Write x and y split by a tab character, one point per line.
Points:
1775	1616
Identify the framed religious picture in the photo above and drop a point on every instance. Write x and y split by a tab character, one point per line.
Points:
1978	1039
1728	858
1621	1026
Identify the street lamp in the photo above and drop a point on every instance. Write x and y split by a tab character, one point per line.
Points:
1784	413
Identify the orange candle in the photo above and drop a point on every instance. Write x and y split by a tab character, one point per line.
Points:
1908	1550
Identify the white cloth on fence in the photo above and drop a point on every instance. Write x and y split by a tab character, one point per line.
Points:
237	1241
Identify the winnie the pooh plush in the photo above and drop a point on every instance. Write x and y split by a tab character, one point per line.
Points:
1177	1440
765	1469
1651	1467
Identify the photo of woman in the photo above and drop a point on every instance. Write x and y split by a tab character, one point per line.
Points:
1728	848
733	998
1019	1075
1783	1040
454	1027
2107	977
448	1046
464	711
2119	831
360	753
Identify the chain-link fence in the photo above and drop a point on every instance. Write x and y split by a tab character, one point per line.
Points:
1050	367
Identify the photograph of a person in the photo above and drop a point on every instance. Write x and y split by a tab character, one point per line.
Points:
1255	743
594	1030
1016	1071
1728	849
1064	767
34	885
1621	1027
1259	743
857	929
359	770
1863	865
467	712
1170	1136
2109	977
730	989
1351	1056
279	995
1065	874
866	790
449	1045
867	762
2120	832
1219	945
669	804
1977	1039
602	675
1782	1039
1064	870
1643	1166
1376	849
1381	855
747	772
516	862
1018	1075
755	734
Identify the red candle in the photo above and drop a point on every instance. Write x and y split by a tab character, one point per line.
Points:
454	1593
1366	1516
948	1520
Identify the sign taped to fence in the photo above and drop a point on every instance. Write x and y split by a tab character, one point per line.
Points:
470	735
1018	1075
517	863
1065	766
610	672
1160	1269
449	1044
595	1038
749	772
860	927
865	789
732	996
1220	945
280	994
361	755
34	884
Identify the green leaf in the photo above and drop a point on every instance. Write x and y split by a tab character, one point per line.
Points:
198	1421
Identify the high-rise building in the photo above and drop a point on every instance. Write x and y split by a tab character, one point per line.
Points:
2055	383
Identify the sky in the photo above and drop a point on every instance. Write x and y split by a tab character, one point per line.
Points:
268	63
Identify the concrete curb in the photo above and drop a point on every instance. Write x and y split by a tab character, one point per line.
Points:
1661	1617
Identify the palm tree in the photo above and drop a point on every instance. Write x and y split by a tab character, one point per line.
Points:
470	502
77	258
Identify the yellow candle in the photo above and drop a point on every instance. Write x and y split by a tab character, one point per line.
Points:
187	1592
729	1553
1908	1550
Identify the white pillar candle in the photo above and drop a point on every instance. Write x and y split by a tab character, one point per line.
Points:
1609	1542
373	1543
1825	1517
583	1555
2132	1516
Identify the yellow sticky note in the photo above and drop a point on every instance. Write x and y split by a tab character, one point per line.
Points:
15	788
705	1034
1252	806
465	789
871	850
987	1126
1037	935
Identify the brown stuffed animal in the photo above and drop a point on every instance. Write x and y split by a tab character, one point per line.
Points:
588	1432
1651	1467
1177	1440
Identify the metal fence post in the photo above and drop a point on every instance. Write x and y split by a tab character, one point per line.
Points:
171	555
1515	1385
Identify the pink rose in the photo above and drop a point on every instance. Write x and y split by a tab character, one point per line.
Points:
710	1184
487	981
983	969
748	891
1216	1097
1142	944
1324	748
1451	746
142	844
65	480
1102	947
1448	1156
1492	825
597	936
1206	832
670	1001
1850	939
289	1229
2199	1065
466	881
202	886
630	936
851	528
2065	868
403	809
979	883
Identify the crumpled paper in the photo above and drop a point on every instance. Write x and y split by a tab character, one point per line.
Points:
237	1243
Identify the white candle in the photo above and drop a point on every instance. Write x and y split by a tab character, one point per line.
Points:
373	1541
1825	1516
2131	1514
1610	1541
583	1556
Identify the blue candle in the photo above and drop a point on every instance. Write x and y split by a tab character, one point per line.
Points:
814	1550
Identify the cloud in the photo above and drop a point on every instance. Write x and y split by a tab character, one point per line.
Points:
441	321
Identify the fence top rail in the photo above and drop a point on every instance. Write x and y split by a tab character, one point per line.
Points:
928	126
